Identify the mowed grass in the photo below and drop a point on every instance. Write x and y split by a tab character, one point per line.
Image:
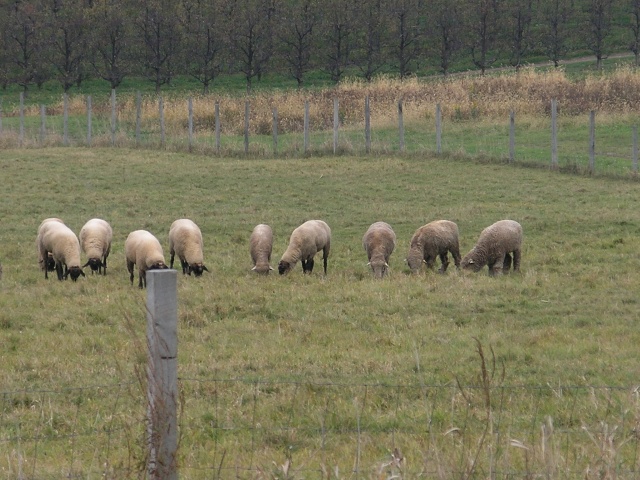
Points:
569	319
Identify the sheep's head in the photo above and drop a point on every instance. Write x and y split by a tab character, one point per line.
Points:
158	266
197	269
94	263
379	268
284	267
263	268
469	263
74	273
50	264
414	260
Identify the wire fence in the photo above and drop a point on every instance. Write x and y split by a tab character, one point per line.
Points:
245	428
565	143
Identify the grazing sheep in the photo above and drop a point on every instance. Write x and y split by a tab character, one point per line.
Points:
185	239
59	241
50	263
494	248
306	240
379	241
435	239
143	250
95	241
260	246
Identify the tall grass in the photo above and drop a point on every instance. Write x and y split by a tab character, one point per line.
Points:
309	373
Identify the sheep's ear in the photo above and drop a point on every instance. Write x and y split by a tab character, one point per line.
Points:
82	273
205	269
83	266
471	262
386	264
270	267
368	264
253	269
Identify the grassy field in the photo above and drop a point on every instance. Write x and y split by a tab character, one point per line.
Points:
331	372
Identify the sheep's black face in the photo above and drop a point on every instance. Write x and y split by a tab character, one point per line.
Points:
158	266
74	273
50	264
95	264
197	269
283	267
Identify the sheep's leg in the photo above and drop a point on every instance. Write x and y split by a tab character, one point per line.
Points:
455	253
430	262
104	265
444	258
173	256
130	268
310	265
495	268
59	271
506	266
304	266
185	267
325	256
516	260
142	279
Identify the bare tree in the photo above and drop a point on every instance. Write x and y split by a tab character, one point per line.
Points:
484	26
158	31
406	35
520	40
446	22
203	40
556	15
599	13
111	35
368	53
634	25
339	26
297	21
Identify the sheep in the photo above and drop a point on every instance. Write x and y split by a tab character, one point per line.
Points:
435	239
379	241
494	248
143	249
95	241
50	263
185	239
260	246
306	240
59	240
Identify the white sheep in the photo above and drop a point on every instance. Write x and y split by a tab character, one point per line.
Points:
494	248
143	250
379	241
185	240
305	241
50	263
433	240
260	247
59	241
95	241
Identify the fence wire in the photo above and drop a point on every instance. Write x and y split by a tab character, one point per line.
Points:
238	428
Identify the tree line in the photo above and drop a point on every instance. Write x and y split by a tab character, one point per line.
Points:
73	40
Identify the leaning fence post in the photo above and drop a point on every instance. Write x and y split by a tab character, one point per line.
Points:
634	160
43	120
162	378
592	141
438	129
217	120
554	133
190	124
401	125
306	126
246	126
113	117
161	112
21	136
336	121
65	120
89	126
512	136
367	125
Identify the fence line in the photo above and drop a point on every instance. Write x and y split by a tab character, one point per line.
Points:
47	134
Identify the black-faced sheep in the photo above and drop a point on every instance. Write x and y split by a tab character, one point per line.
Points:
59	241
185	240
305	241
260	247
379	241
49	264
494	248
435	239
95	241
143	250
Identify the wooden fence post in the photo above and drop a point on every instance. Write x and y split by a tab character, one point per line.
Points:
401	125
161	112
43	120
247	112
21	136
162	378
592	141
336	121
512	136
113	117
554	133
438	129
275	130
190	106
138	117
217	121
65	119
367	125
89	126
306	126
634	160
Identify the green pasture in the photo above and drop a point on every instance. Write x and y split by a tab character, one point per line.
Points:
331	373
